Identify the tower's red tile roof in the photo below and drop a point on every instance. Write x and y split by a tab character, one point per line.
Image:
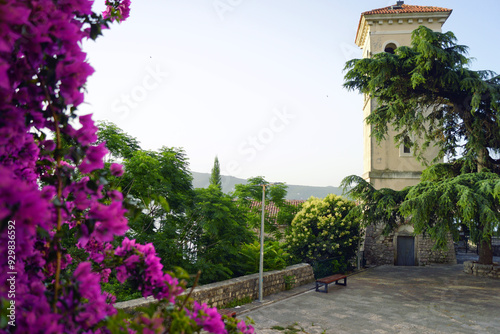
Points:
394	9
401	8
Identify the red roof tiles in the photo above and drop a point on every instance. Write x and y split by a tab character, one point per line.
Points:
405	9
400	9
272	209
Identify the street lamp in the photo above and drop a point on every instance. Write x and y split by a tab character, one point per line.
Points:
261	265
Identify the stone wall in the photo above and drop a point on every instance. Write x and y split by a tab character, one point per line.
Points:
427	255
220	293
485	270
380	249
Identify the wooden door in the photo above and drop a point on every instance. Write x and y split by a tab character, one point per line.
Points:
406	251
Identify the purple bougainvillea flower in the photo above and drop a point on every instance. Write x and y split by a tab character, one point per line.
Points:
110	220
94	159
87	134
116	169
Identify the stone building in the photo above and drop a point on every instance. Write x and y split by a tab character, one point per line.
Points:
385	164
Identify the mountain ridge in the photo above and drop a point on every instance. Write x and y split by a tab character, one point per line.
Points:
297	192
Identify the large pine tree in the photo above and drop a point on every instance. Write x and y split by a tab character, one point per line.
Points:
428	91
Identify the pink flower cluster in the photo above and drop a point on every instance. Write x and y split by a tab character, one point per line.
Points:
142	259
117	10
208	318
48	189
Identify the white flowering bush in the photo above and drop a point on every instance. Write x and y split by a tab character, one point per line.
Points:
323	229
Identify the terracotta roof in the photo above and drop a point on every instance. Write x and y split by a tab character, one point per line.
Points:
405	9
272	209
401	9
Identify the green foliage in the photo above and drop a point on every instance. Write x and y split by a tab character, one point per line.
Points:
324	228
218	230
440	204
252	191
173	319
375	206
329	267
437	206
215	178
290	280
426	91
275	257
164	172
287	213
120	144
122	291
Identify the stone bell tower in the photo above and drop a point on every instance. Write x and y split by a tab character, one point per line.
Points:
384	30
385	164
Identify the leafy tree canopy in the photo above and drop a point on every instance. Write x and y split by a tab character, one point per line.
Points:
164	173
252	191
120	144
218	229
427	90
375	206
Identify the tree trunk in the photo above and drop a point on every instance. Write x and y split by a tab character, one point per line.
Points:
485	252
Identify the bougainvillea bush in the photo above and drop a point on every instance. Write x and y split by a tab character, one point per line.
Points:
322	229
53	184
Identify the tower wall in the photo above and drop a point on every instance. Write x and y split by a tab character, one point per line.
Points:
385	164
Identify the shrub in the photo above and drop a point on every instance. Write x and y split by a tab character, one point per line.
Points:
275	258
324	228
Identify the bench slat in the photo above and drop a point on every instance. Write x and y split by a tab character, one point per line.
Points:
330	279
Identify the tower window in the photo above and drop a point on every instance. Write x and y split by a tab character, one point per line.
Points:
406	146
389	48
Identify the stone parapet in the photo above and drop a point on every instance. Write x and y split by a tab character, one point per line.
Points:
485	270
221	293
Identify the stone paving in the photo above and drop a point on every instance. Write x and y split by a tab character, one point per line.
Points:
387	299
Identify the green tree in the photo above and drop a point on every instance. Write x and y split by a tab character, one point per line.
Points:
120	144
323	229
470	199
376	206
160	173
251	192
217	231
427	91
160	184
215	178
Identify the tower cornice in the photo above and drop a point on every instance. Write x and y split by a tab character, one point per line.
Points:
399	15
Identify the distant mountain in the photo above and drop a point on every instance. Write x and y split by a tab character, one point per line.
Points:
202	180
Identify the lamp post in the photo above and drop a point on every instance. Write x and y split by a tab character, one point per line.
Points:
261	265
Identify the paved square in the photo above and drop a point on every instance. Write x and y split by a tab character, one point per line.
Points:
391	299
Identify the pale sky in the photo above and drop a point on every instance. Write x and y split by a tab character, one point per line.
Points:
257	83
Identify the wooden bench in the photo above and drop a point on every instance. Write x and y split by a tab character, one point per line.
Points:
330	279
